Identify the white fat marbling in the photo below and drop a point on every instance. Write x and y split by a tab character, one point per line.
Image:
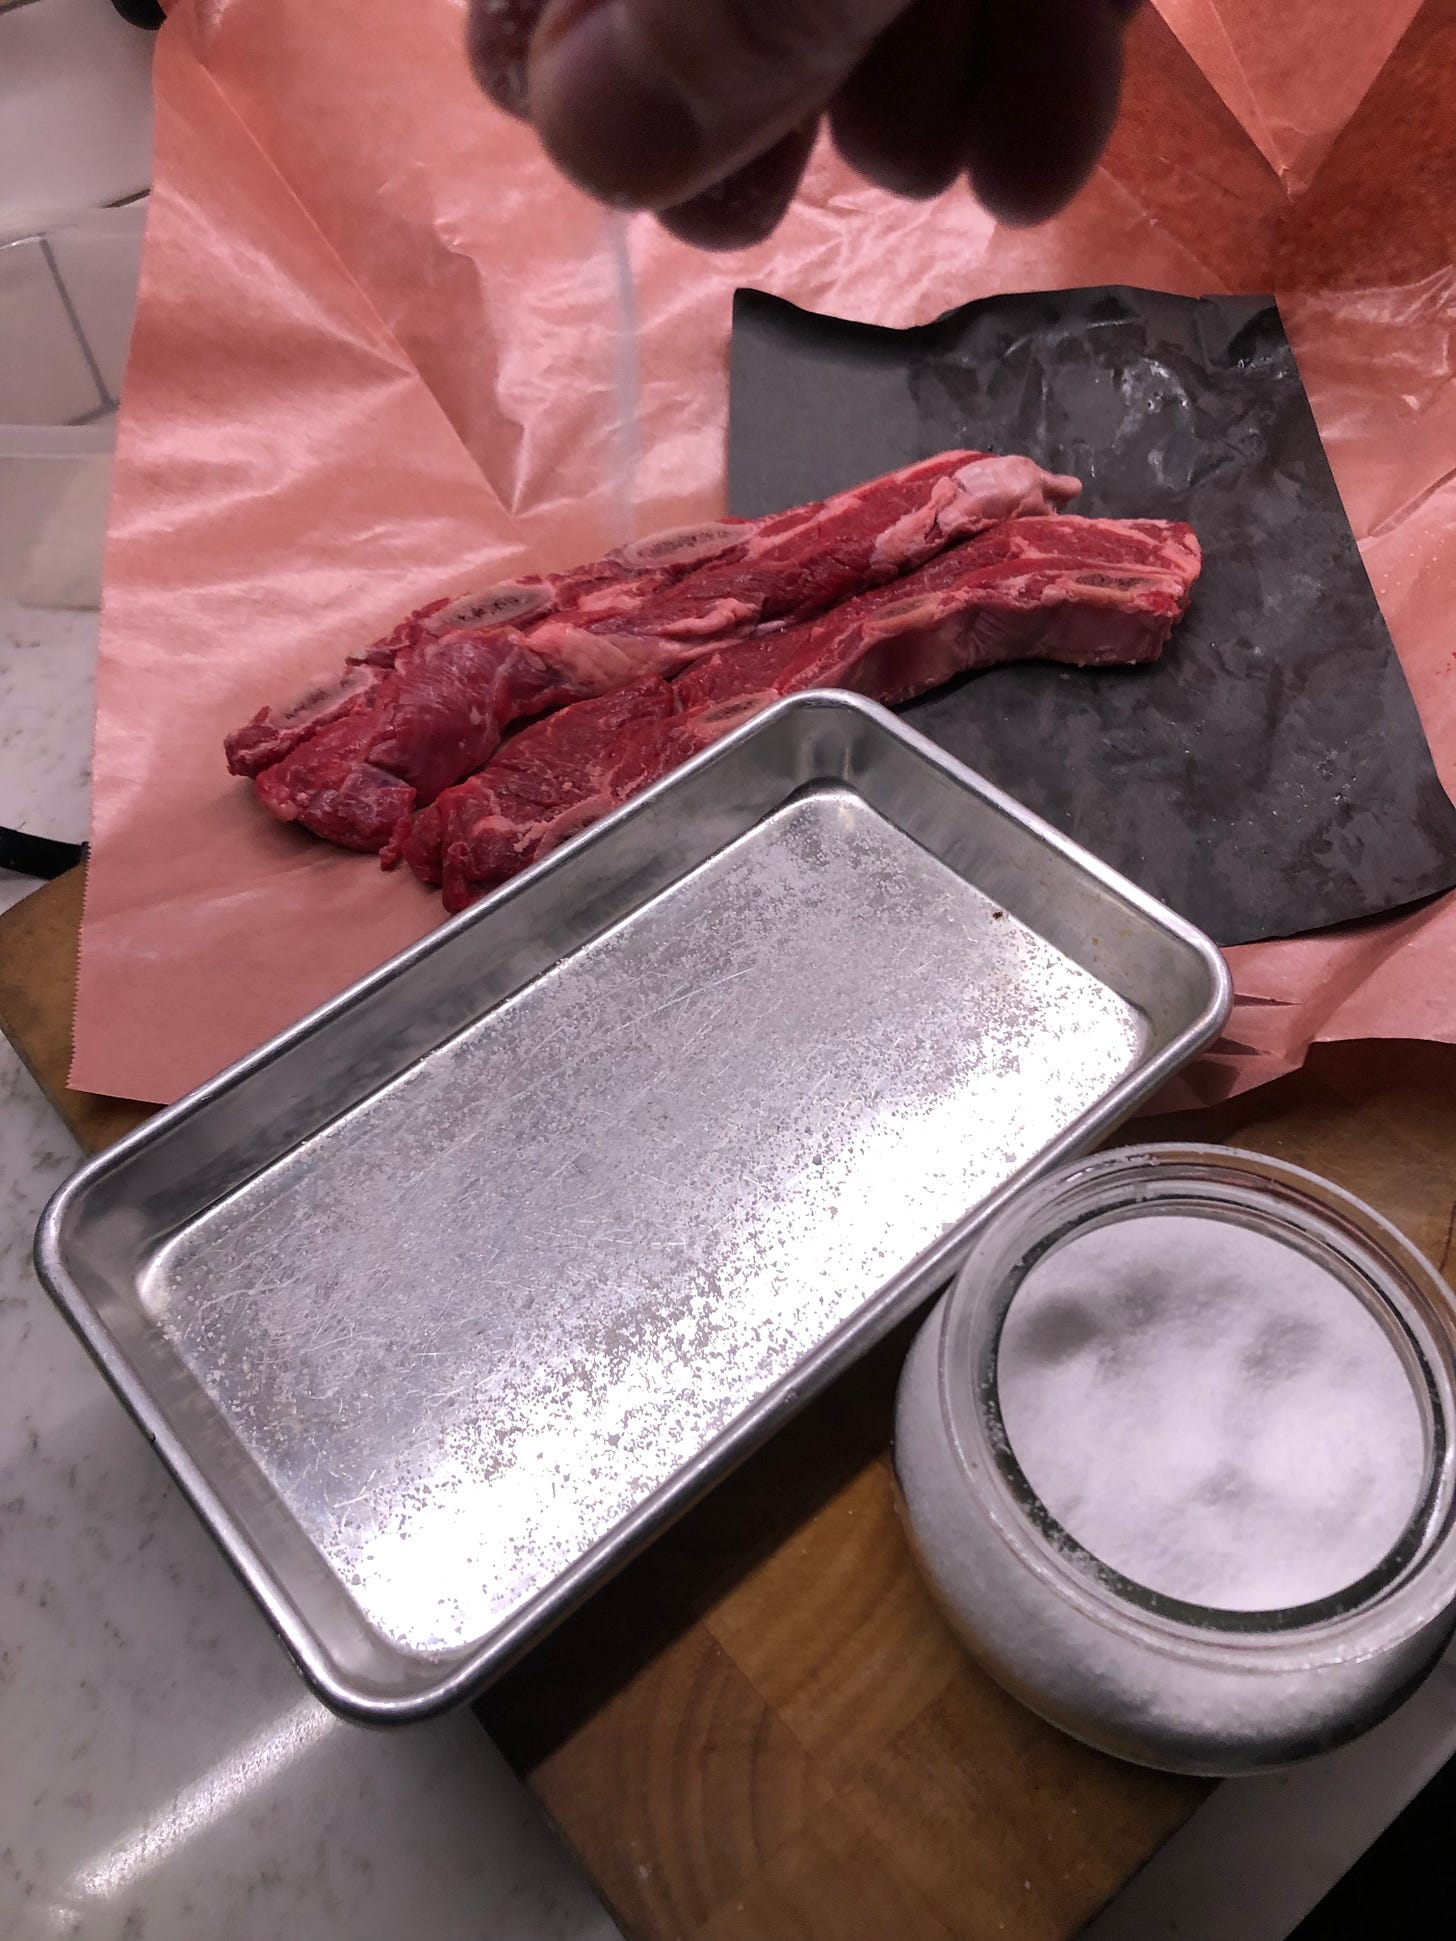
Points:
165	1774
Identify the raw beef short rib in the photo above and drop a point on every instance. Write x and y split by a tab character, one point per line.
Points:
324	756
275	732
430	703
1093	592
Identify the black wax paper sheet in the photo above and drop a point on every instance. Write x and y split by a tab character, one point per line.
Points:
1269	775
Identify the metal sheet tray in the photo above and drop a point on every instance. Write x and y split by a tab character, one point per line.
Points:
442	1303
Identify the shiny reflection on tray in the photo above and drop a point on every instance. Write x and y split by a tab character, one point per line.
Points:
467	1329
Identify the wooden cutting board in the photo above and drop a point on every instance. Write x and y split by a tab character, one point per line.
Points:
762	1731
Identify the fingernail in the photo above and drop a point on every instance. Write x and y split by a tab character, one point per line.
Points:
607	109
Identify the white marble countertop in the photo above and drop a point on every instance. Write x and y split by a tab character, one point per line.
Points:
165	1773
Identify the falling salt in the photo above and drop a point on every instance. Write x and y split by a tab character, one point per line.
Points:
626	385
1210	1412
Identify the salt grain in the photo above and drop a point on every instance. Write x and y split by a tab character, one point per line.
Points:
1210	1412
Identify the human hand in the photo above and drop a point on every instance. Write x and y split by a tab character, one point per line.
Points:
705	110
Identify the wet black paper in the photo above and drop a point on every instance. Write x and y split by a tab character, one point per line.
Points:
1270	774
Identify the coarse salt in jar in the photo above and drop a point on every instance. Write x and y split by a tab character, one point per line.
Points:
1175	1455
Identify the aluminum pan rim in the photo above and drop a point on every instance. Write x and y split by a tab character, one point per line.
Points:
917	1280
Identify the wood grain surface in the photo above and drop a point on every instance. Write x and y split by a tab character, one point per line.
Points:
761	1730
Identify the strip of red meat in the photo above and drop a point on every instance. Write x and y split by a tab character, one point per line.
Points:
275	732
812	559
603	586
439	711
1091	592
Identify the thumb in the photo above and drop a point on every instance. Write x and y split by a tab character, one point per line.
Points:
648	102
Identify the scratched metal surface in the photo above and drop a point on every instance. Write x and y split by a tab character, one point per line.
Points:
625	1204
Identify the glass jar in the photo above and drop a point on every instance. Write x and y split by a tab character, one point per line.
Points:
1180	1685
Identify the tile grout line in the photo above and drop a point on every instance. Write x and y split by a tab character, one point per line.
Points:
107	402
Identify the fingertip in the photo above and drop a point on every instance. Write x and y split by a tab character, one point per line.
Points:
1021	195
900	118
606	111
747	206
1049	82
